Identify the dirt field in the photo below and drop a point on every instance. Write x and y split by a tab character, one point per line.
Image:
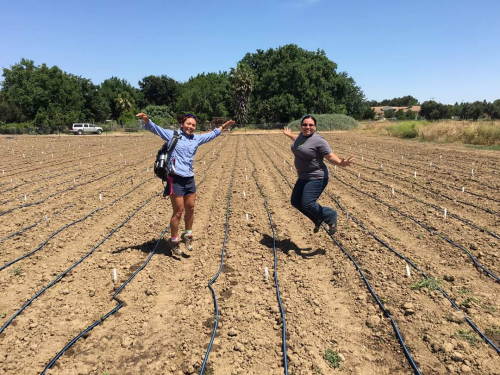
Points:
78	208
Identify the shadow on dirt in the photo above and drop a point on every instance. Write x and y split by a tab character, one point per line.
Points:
147	247
286	246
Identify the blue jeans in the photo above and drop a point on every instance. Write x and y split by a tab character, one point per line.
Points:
304	197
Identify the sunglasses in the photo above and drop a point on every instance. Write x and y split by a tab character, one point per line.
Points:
308	125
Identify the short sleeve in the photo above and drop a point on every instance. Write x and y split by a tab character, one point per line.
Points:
323	147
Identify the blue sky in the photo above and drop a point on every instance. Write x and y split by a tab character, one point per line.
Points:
448	50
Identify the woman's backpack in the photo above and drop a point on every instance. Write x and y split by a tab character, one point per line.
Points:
164	163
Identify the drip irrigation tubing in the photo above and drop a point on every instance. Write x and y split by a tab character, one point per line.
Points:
436	181
32	225
216	305
414	266
368	285
431	231
63	191
58	278
278	296
69	225
437	208
115	298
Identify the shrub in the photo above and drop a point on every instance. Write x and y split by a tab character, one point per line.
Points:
329	122
21	128
470	133
405	129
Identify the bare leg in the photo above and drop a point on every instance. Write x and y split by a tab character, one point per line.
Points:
189	206
178	207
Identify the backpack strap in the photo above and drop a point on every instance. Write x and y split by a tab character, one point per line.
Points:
174	141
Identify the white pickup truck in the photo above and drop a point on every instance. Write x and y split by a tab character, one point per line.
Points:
85	128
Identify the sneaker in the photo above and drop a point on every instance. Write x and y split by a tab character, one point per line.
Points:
332	228
317	226
174	246
188	241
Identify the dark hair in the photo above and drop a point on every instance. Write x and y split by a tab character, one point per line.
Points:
182	118
306	117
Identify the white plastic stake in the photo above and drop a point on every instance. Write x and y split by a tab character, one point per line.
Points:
115	276
359	175
246	215
203	162
335	167
46	218
381	166
284	161
473	172
24	156
266	273
392	191
244	194
25	197
11	180
440	156
291	168
430	164
3	172
415	174
408	271
246	177
100	196
362	158
445	213
89	154
463	189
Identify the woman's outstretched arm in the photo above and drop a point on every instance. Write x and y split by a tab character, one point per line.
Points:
334	159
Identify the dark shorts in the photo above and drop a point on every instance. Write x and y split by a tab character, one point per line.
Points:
178	185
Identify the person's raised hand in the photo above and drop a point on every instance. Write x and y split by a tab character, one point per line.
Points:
286	130
143	117
228	124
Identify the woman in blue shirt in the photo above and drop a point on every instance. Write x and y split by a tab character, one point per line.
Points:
181	186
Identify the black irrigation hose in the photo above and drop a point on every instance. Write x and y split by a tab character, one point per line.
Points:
216	305
58	278
437	208
282	311
383	243
33	225
69	225
433	232
120	303
438	182
115	298
374	295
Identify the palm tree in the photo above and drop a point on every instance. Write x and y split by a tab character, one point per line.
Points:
242	81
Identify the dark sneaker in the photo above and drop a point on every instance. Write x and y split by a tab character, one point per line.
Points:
332	229
188	241
317	226
174	246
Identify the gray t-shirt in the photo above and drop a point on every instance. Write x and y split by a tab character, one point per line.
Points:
309	153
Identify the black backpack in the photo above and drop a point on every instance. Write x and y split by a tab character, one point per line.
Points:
163	164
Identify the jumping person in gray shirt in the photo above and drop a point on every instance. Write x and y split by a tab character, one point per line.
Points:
310	149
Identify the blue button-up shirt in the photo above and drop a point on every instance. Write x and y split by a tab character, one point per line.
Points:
186	146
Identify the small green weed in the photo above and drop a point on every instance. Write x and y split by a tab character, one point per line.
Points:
317	370
332	358
3	315
468	336
430	283
493	330
17	271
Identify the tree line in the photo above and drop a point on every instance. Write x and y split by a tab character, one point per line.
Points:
277	85
432	110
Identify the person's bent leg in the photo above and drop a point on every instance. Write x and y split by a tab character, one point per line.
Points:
298	196
312	191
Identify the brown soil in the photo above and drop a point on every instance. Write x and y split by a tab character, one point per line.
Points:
167	319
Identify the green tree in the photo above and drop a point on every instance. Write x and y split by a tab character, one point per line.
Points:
160	90
47	95
242	83
368	113
290	82
400	114
160	114
119	95
207	96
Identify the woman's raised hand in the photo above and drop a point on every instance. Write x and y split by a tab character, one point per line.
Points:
228	124
347	162
287	131
143	117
